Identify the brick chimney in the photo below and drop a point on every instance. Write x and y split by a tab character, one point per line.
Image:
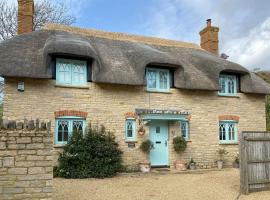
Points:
209	38
25	16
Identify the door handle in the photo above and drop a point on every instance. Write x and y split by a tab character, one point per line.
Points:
166	143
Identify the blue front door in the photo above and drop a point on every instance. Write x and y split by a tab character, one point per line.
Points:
159	155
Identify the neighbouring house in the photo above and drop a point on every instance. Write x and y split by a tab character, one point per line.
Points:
138	87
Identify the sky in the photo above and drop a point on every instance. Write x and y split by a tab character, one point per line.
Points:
244	24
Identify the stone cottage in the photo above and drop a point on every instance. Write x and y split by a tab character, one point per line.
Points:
138	87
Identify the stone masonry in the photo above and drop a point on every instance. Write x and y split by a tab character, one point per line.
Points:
26	170
107	104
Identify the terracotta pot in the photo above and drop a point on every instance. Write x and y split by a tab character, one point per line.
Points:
220	164
145	167
235	165
141	133
181	165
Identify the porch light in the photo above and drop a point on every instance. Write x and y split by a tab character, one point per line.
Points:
21	87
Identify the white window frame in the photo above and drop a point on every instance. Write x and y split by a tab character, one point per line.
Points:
229	138
134	135
157	77
224	82
186	134
70	119
73	78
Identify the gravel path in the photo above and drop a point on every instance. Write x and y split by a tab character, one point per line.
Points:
207	185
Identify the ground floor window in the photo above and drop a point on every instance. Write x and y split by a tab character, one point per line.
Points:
64	127
130	129
228	131
184	125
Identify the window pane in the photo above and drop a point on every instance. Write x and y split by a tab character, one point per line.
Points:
231	84
129	129
62	130
151	79
77	126
79	73
222	84
231	132
63	72
163	80
184	129
66	134
158	129
222	132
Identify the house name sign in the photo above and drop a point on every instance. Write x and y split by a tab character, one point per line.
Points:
157	111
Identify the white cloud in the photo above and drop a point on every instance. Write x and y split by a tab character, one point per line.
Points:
253	50
244	35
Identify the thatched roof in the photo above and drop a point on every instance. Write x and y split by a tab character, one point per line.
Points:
119	58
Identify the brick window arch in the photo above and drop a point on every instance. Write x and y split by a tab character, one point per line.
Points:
75	113
228	117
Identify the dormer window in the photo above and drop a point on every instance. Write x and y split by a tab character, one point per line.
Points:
71	72
228	84
158	79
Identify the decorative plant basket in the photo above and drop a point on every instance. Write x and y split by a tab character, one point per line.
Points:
181	165
145	166
141	131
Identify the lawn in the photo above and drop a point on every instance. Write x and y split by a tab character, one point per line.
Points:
210	185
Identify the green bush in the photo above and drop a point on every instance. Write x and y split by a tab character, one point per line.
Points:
96	155
179	144
55	171
146	146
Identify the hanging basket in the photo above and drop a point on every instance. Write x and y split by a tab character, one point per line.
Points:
141	131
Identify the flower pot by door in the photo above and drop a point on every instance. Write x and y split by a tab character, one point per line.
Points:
145	167
219	164
235	165
192	167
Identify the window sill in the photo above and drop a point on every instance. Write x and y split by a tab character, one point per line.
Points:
228	143
157	91
131	141
59	145
72	86
227	95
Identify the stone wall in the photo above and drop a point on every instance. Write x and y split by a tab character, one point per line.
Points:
107	104
26	170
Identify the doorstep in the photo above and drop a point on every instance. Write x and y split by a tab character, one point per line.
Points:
164	171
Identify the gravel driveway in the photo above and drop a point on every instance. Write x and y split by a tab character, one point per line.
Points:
206	185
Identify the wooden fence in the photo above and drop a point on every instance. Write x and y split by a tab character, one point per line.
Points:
254	152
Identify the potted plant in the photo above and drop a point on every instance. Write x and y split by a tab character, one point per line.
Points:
141	131
180	145
192	164
221	152
146	147
236	161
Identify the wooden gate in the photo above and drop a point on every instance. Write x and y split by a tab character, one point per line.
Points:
254	152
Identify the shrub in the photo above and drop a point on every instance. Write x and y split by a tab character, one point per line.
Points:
55	171
146	146
96	154
179	144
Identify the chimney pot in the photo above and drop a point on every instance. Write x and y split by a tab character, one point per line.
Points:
208	22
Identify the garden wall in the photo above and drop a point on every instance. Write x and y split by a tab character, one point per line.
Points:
26	170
